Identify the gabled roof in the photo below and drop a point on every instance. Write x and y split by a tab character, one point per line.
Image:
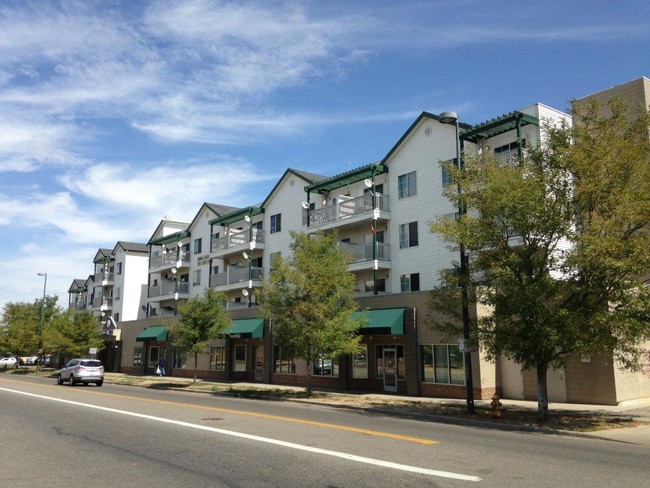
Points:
131	247
328	184
77	286
181	226
422	116
215	208
498	125
309	178
103	255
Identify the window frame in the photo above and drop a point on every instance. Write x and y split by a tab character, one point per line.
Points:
407	185
408	235
276	223
452	360
217	358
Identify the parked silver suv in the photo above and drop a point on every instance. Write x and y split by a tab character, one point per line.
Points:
81	371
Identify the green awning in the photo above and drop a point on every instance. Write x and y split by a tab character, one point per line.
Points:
153	333
245	328
387	321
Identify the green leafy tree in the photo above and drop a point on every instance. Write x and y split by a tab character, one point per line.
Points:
22	324
558	246
308	298
202	319
72	333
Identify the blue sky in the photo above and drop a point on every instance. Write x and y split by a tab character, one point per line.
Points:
114	114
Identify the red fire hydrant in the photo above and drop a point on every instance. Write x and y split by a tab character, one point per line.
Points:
496	406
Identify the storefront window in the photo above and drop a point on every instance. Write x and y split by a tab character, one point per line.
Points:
442	363
360	363
240	358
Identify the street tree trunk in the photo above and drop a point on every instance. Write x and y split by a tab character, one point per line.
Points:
542	392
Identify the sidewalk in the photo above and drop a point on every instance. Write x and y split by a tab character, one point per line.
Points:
516	414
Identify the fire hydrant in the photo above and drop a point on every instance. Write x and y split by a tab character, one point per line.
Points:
496	406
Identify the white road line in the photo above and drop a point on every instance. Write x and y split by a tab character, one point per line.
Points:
267	440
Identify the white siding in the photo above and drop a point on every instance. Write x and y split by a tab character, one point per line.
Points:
285	200
421	153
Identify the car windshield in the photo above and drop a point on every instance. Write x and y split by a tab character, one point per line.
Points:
92	363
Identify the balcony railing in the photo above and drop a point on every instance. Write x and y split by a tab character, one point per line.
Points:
235	275
101	276
347	208
102	302
363	252
169	259
168	288
236	239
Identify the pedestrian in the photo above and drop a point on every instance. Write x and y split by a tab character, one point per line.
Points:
162	362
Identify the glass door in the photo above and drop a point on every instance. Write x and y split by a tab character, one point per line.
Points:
390	369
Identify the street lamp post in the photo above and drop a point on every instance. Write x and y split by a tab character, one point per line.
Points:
452	118
40	326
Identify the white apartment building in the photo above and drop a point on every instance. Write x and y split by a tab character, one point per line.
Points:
381	212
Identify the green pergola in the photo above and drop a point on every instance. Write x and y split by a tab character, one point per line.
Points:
347	178
499	125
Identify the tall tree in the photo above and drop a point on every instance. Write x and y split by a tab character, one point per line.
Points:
202	319
72	333
558	246
308	298
22	324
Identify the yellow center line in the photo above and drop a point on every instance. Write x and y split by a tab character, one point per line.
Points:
281	418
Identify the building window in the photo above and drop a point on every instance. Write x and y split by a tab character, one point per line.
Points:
272	258
446	177
197	245
119	268
137	356
218	358
360	363
408	235
370	285
118	293
196	277
276	223
379	351
239	359
410	282
178	358
442	363
406	186
324	365
116	317
282	364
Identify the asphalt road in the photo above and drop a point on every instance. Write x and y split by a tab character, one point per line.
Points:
127	436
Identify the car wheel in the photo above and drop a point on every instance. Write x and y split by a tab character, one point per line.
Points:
99	383
85	383
72	381
59	380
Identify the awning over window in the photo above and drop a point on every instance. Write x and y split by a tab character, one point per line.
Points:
245	328
387	321
153	333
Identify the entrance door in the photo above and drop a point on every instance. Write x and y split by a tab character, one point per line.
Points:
390	369
259	363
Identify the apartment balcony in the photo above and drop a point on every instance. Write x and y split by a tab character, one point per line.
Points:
167	289
169	260
362	259
103	303
236	242
105	279
348	212
237	278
